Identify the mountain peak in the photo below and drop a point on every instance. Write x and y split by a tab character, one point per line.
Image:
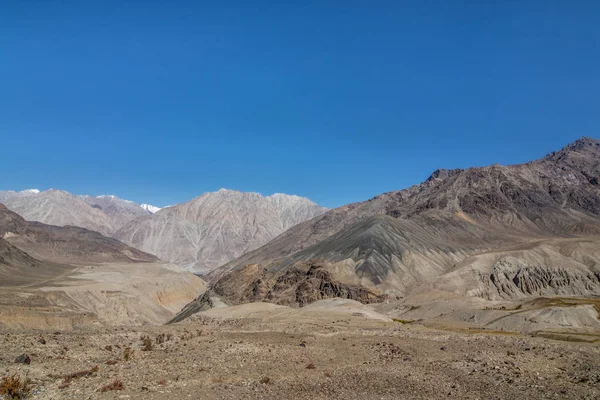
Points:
584	146
30	191
284	196
584	142
441	173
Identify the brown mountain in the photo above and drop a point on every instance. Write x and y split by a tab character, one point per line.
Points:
492	232
58	244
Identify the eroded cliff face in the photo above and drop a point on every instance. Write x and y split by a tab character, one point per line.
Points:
298	286
513	278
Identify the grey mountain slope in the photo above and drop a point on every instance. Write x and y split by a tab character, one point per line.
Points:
118	211
404	239
6	195
60	208
216	227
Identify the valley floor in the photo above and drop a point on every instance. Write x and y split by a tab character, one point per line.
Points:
318	355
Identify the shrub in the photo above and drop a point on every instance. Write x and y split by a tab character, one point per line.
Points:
127	353
14	387
146	343
160	339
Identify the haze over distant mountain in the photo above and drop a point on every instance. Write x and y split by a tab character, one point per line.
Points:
216	227
118	211
10	194
201	234
104	214
493	232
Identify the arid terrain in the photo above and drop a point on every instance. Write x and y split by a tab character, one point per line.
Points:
476	284
324	351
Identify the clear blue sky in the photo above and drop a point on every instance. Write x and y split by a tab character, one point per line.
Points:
160	101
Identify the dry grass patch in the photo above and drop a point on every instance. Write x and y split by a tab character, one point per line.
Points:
14	387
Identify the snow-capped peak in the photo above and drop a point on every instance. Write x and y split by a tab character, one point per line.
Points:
150	208
30	191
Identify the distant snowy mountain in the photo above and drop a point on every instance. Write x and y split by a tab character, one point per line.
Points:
150	208
104	214
201	234
9	194
57	207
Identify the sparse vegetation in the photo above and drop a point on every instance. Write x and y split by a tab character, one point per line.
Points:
114	385
163	337
265	380
14	387
311	366
127	353
160	339
146	343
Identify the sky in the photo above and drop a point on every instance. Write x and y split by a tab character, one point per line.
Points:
160	101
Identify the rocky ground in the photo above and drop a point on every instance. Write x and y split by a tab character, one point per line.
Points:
319	355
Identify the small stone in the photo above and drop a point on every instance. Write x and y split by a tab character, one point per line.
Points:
443	348
23	359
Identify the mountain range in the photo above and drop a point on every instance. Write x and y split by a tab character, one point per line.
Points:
200	235
104	214
495	232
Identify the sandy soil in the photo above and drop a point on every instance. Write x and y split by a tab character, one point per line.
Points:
96	295
332	351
